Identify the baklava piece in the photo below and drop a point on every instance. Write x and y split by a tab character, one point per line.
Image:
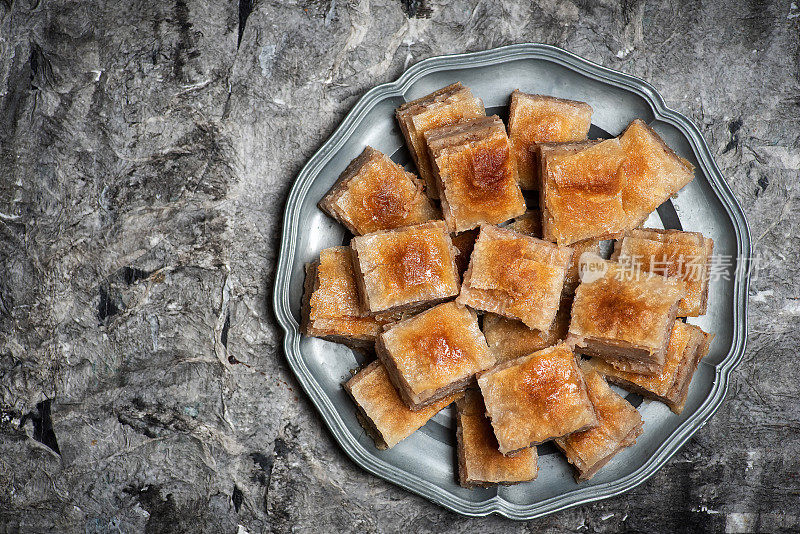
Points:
449	105
581	192
375	193
509	339
651	172
382	412
434	354
624	315
688	345
529	223
535	119
536	398
331	306
516	276
464	243
405	267
609	187
480	464
671	253
476	175
619	424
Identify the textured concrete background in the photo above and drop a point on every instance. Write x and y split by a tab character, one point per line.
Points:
146	152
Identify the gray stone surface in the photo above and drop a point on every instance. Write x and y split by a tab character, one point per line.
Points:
146	149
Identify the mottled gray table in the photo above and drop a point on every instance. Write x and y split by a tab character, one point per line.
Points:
146	151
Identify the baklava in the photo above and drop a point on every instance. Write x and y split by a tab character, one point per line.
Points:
535	119
671	253
624	315
331	306
434	354
480	464
651	171
449	105
581	191
604	189
509	339
405	267
382	412
375	193
688	345
516	276
619	424
536	398
476	175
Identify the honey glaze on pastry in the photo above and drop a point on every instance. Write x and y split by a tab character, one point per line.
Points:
383	414
536	398
434	353
375	193
405	266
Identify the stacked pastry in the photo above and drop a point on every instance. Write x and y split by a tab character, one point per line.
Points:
465	293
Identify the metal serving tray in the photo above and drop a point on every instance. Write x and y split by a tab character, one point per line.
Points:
425	462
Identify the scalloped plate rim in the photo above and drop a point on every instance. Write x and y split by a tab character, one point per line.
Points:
359	454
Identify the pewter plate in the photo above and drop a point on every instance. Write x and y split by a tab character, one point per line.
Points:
425	462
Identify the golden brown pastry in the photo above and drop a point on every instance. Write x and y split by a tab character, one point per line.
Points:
619	426
448	105
688	345
671	253
480	464
475	172
375	193
609	187
582	192
382	412
651	171
434	354
537	119
405	267
536	398
516	276
331	306
624	315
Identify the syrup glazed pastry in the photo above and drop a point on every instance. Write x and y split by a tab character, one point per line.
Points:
475	172
623	315
688	345
375	193
434	354
480	464
331	306
619	426
536	398
537	119
449	105
609	187
581	194
509	339
671	253
405	267
382	412
516	276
